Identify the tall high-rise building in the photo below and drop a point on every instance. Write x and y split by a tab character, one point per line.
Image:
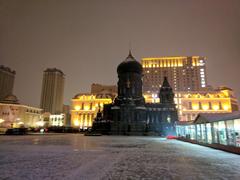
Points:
52	91
184	73
7	77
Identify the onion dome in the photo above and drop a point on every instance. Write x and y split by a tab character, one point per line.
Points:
130	65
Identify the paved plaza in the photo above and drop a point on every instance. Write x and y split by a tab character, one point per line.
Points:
74	156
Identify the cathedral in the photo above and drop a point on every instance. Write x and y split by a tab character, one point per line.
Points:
129	114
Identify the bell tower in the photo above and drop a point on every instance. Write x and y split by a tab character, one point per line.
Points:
166	94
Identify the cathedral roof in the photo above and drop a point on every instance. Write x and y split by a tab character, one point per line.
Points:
130	64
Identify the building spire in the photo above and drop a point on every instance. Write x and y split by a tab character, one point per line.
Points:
166	83
130	51
130	56
166	94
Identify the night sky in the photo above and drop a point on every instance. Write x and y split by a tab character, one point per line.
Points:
88	39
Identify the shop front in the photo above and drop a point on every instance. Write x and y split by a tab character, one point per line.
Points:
212	129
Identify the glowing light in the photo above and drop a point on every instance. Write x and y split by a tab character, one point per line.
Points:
86	108
195	107
76	122
77	108
205	107
40	123
225	107
2	120
216	107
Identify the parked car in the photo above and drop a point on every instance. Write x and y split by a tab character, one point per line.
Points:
16	131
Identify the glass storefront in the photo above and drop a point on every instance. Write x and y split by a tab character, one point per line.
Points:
203	133
231	133
222	133
192	132
215	132
209	133
237	131
225	132
198	132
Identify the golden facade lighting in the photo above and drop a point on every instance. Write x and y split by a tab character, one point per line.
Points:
85	108
190	104
184	73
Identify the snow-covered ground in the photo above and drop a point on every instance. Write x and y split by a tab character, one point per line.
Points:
74	156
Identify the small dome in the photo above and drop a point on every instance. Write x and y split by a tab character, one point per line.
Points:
11	99
130	65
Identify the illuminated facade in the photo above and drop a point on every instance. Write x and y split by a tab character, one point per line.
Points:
85	107
184	73
7	77
213	129
190	104
13	114
57	120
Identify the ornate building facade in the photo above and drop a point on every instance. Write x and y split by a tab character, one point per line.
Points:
129	114
190	104
131	111
85	106
13	114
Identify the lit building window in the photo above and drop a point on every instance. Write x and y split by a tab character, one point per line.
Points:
77	108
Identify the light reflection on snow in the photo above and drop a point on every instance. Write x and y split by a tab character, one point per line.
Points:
73	156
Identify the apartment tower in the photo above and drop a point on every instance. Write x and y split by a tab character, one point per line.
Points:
52	91
7	77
